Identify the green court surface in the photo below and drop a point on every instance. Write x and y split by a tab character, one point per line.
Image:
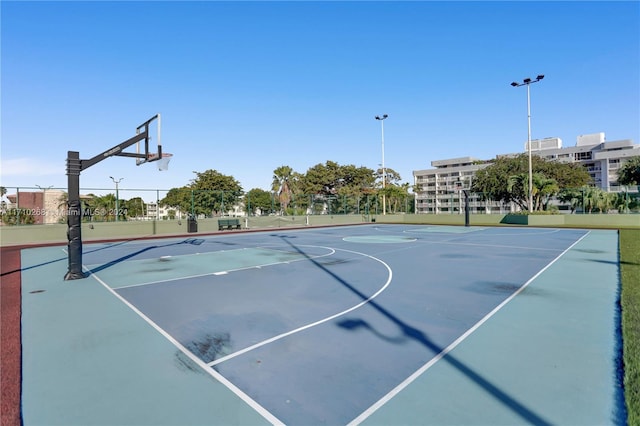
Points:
553	348
373	325
136	272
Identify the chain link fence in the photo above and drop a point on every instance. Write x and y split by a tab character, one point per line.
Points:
38	205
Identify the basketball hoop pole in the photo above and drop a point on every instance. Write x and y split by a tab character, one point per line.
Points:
74	217
466	207
74	213
464	192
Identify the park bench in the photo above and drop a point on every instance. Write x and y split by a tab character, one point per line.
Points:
228	224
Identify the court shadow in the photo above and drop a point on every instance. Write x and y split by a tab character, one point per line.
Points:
610	262
60	259
354	324
114	262
409	332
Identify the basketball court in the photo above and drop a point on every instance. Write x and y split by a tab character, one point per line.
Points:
369	324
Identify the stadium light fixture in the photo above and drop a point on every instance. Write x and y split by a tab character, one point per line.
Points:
527	82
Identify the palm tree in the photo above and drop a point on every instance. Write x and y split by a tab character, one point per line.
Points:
605	201
622	202
544	189
571	196
516	186
281	185
102	207
596	198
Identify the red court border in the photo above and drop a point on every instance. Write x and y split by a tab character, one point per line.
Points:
10	342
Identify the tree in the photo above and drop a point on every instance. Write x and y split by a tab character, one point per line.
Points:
134	207
322	179
178	198
605	201
390	175
259	199
493	180
571	196
518	187
629	173
395	196
622	202
566	175
281	185
102	208
3	203
328	178
213	192
17	217
356	179
544	188
590	196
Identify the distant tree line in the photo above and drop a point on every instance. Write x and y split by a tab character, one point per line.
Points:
212	193
505	179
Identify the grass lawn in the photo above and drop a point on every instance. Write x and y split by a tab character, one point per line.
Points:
630	301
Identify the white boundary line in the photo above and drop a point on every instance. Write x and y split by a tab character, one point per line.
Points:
253	404
382	401
313	324
301	258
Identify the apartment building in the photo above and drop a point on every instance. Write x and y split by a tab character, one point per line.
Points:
602	159
438	188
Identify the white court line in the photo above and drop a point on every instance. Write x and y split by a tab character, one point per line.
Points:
233	388
382	401
313	324
303	257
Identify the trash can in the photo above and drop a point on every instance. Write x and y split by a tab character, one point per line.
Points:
192	224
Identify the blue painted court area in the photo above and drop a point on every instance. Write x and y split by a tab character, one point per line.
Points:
372	324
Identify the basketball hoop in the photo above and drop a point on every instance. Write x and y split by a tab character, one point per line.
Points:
163	163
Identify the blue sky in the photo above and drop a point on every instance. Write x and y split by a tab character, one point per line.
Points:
245	87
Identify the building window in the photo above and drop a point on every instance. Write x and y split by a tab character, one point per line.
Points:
580	156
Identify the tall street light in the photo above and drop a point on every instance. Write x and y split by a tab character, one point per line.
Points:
384	173
527	82
117	195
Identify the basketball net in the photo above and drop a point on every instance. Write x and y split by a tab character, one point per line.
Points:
163	163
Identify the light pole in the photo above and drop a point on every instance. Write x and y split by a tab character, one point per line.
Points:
44	190
117	195
527	82
384	173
